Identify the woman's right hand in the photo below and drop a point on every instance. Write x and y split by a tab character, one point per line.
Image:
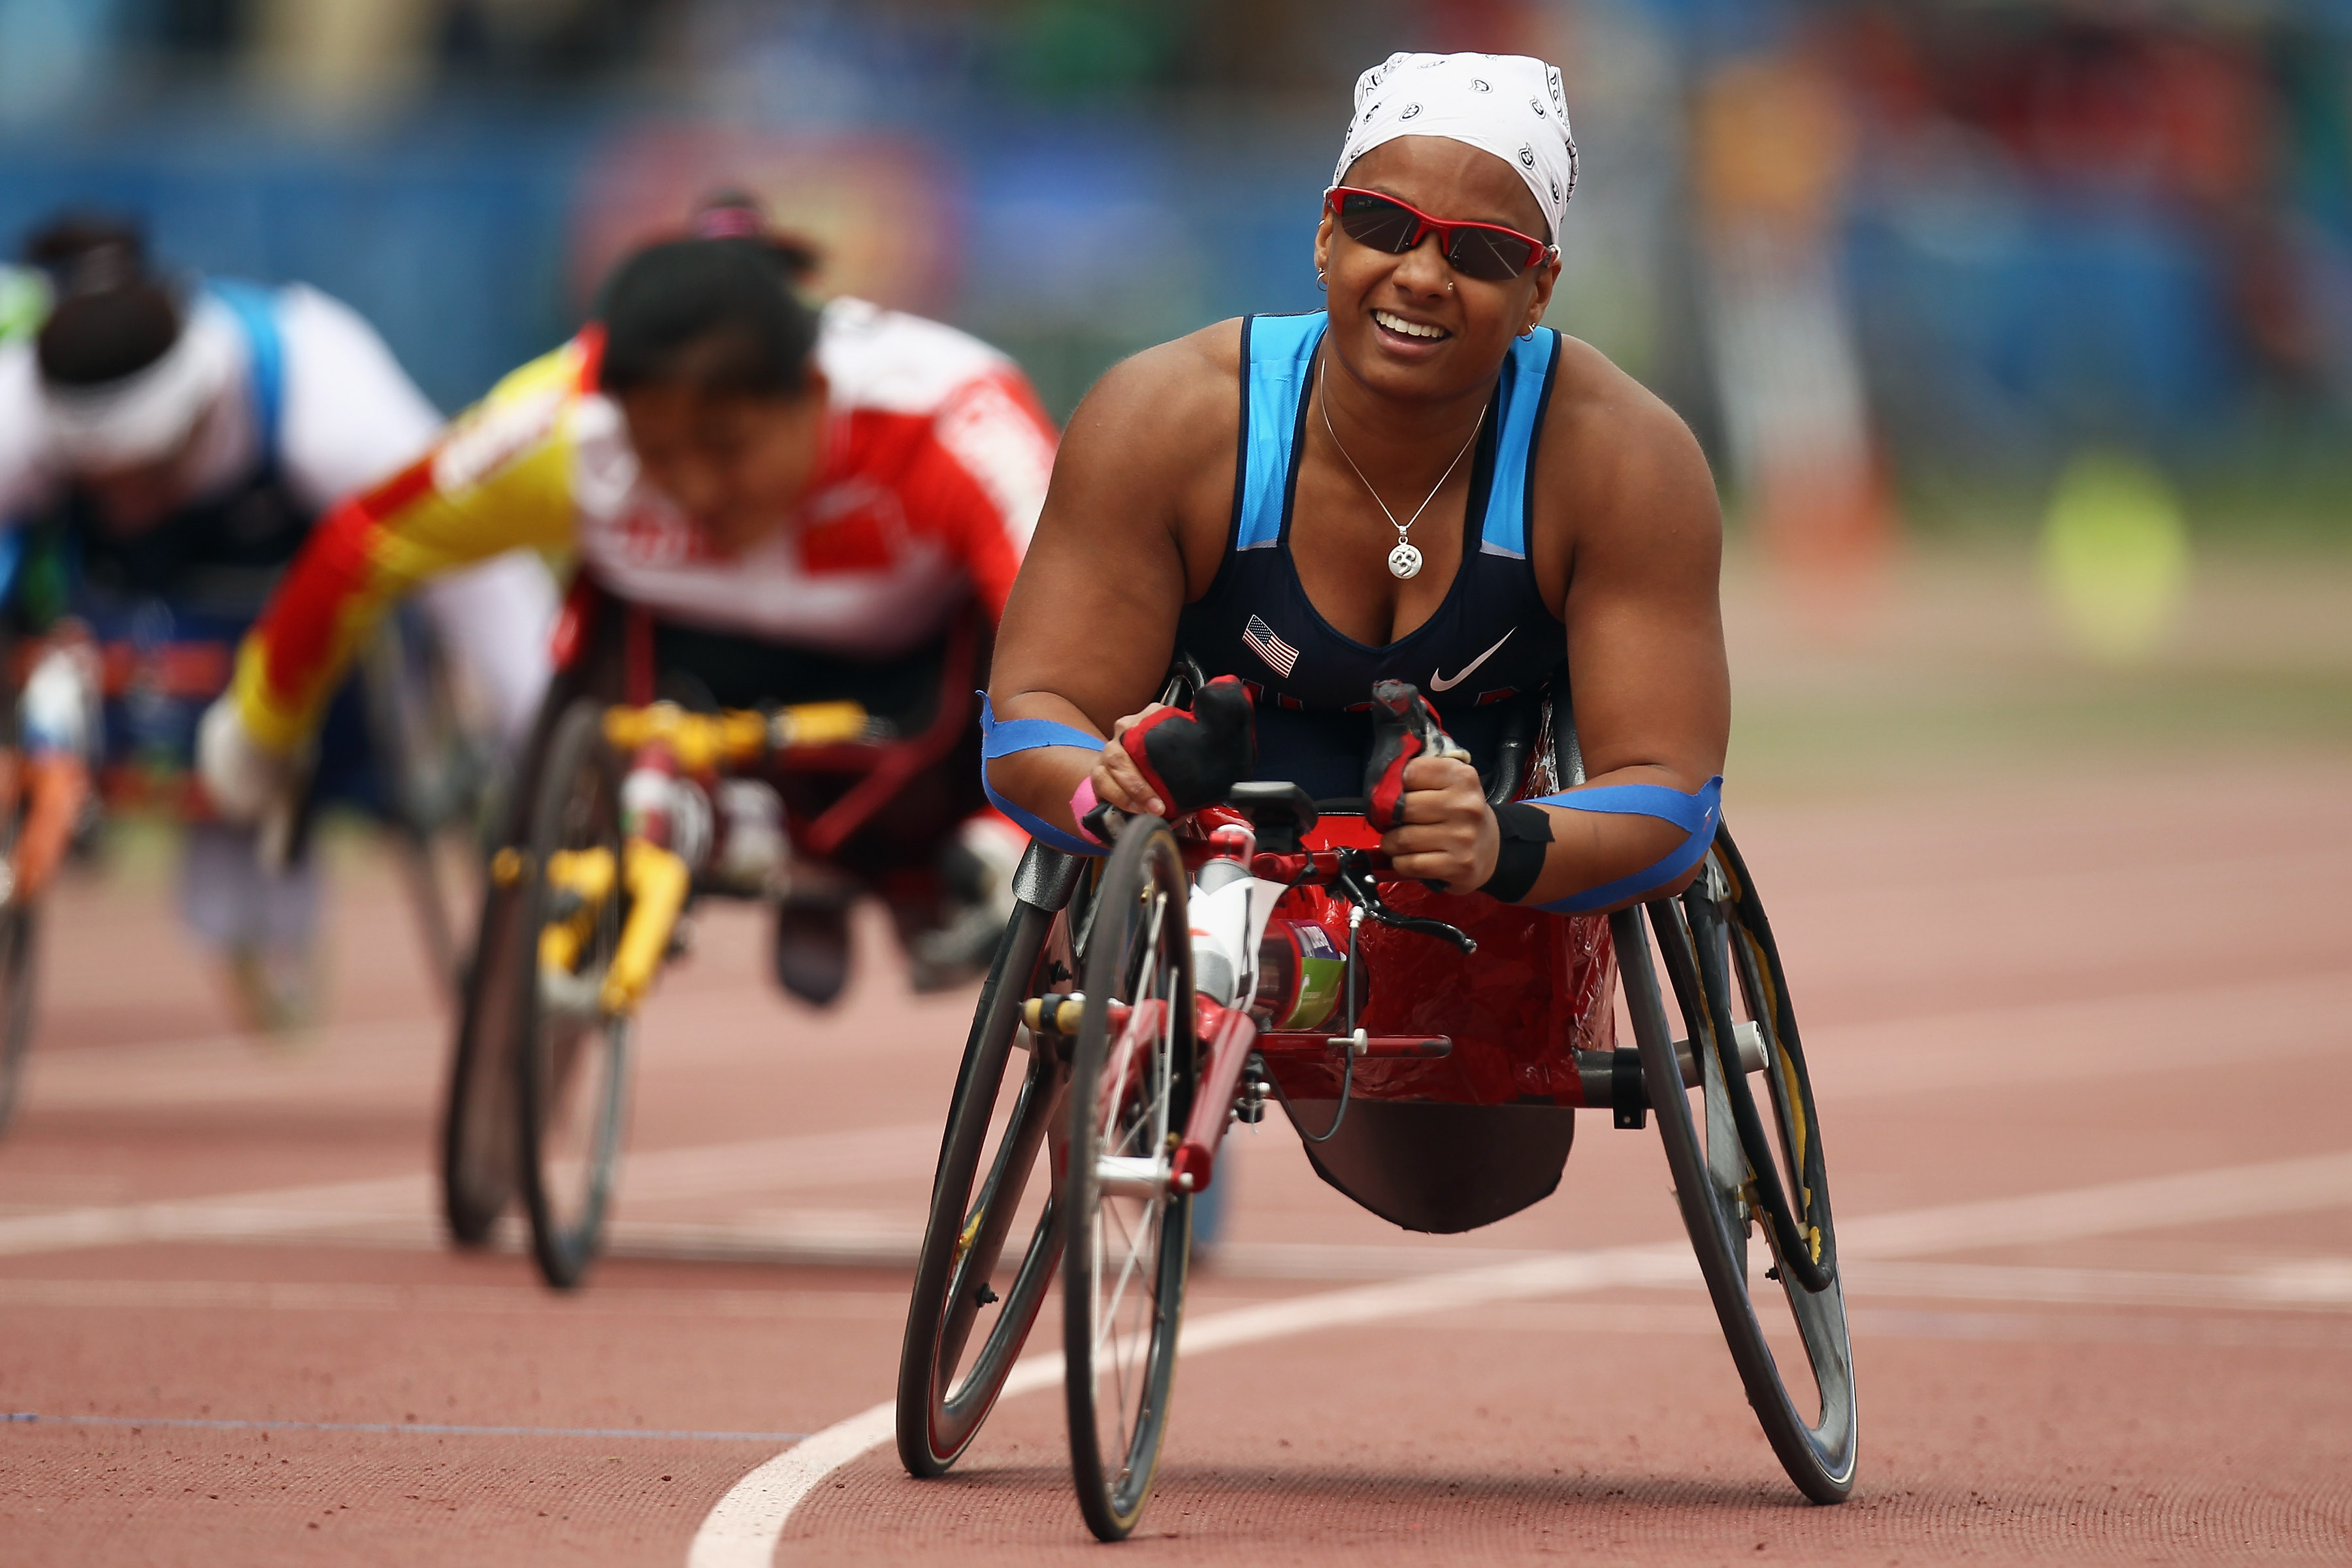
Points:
1118	781
1164	761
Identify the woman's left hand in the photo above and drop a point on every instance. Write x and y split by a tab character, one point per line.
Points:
1446	831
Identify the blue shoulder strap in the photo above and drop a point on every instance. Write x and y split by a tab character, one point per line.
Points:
1281	353
257	312
1526	370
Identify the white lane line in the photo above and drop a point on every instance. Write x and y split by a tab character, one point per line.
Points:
235	1217
402	1203
1585	1318
357	1061
21	1418
2320	1285
2155	1203
2195	1030
516	1300
744	1527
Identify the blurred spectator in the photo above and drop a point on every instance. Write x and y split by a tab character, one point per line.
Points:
1772	146
2056	224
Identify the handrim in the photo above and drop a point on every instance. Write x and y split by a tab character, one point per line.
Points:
1819	1454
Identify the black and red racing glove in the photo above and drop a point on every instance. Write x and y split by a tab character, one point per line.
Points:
1192	758
1405	726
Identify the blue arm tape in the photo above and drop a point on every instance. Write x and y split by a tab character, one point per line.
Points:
1002	740
1695	815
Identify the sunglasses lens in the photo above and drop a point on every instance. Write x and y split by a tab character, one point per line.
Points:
1379	224
1482	254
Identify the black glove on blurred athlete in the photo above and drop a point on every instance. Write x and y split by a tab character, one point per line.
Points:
1193	758
1405	726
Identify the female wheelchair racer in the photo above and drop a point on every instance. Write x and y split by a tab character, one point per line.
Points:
1565	519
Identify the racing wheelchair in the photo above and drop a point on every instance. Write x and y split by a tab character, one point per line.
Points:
1431	1051
589	896
404	742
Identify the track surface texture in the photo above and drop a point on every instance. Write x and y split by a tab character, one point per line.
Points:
2082	1031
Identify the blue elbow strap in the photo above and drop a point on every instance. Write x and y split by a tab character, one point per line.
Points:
1696	814
1001	739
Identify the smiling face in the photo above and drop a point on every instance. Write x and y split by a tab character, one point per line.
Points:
1410	326
737	464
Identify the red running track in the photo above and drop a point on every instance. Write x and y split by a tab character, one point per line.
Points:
2109	1015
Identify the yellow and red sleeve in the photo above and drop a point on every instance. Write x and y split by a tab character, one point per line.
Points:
500	477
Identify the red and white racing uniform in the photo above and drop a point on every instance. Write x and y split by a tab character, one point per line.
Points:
936	463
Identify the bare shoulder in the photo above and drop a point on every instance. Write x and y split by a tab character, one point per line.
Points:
1149	454
1618	462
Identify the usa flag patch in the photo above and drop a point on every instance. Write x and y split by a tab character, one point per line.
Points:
1262	641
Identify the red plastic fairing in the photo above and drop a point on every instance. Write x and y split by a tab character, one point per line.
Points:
1538	988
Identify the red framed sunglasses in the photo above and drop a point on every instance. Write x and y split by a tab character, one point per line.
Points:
1484	250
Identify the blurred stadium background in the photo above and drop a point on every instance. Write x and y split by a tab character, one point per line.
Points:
2020	333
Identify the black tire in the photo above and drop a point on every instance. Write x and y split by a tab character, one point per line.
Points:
478	1154
1724	970
998	1126
1125	1247
571	1066
20	929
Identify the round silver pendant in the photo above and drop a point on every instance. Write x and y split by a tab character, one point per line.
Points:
1404	560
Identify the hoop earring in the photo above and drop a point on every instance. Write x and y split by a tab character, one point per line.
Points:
1320	282
1526	335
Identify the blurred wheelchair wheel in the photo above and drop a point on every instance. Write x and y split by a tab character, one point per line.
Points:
478	1107
19	944
19	948
572	1061
434	760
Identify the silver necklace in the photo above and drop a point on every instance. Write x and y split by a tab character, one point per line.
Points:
1404	560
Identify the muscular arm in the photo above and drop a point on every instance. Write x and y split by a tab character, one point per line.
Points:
1624	493
1091	623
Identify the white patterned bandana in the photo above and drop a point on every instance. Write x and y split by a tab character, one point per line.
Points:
1509	105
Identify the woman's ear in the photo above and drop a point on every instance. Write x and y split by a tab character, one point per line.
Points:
1539	303
1323	247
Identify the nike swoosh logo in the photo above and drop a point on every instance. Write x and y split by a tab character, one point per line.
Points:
1438	682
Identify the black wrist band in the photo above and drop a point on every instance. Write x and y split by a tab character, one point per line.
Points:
1526	837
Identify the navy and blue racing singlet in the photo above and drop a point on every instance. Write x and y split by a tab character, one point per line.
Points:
1492	640
223	551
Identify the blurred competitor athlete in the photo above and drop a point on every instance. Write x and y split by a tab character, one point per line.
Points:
784	504
165	443
1419	484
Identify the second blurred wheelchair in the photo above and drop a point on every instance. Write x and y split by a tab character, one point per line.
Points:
587	902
